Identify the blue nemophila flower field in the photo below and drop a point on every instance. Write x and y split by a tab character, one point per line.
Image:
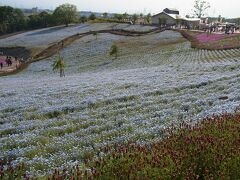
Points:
157	80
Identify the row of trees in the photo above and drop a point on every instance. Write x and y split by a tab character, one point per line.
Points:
12	19
133	18
120	17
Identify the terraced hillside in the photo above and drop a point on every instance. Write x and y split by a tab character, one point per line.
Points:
44	37
157	80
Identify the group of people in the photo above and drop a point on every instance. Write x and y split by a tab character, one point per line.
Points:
9	61
231	29
227	29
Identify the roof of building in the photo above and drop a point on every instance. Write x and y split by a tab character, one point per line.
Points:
159	14
172	9
176	16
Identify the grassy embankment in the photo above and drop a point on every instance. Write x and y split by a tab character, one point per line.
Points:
208	150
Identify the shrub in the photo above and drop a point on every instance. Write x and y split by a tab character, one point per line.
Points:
114	50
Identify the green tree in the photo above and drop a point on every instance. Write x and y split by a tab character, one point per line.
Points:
59	65
11	20
134	18
65	13
7	20
114	51
45	19
118	17
41	20
115	16
19	20
238	21
34	21
92	16
105	15
125	16
200	6
95	34
148	18
83	19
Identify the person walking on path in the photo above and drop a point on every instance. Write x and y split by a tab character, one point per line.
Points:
1	64
10	62
7	61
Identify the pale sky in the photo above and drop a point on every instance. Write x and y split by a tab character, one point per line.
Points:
226	8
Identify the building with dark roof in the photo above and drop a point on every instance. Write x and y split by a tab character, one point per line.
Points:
171	11
172	17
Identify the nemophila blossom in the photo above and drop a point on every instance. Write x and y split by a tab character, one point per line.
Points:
56	122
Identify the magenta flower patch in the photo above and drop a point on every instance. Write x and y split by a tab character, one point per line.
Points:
212	37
